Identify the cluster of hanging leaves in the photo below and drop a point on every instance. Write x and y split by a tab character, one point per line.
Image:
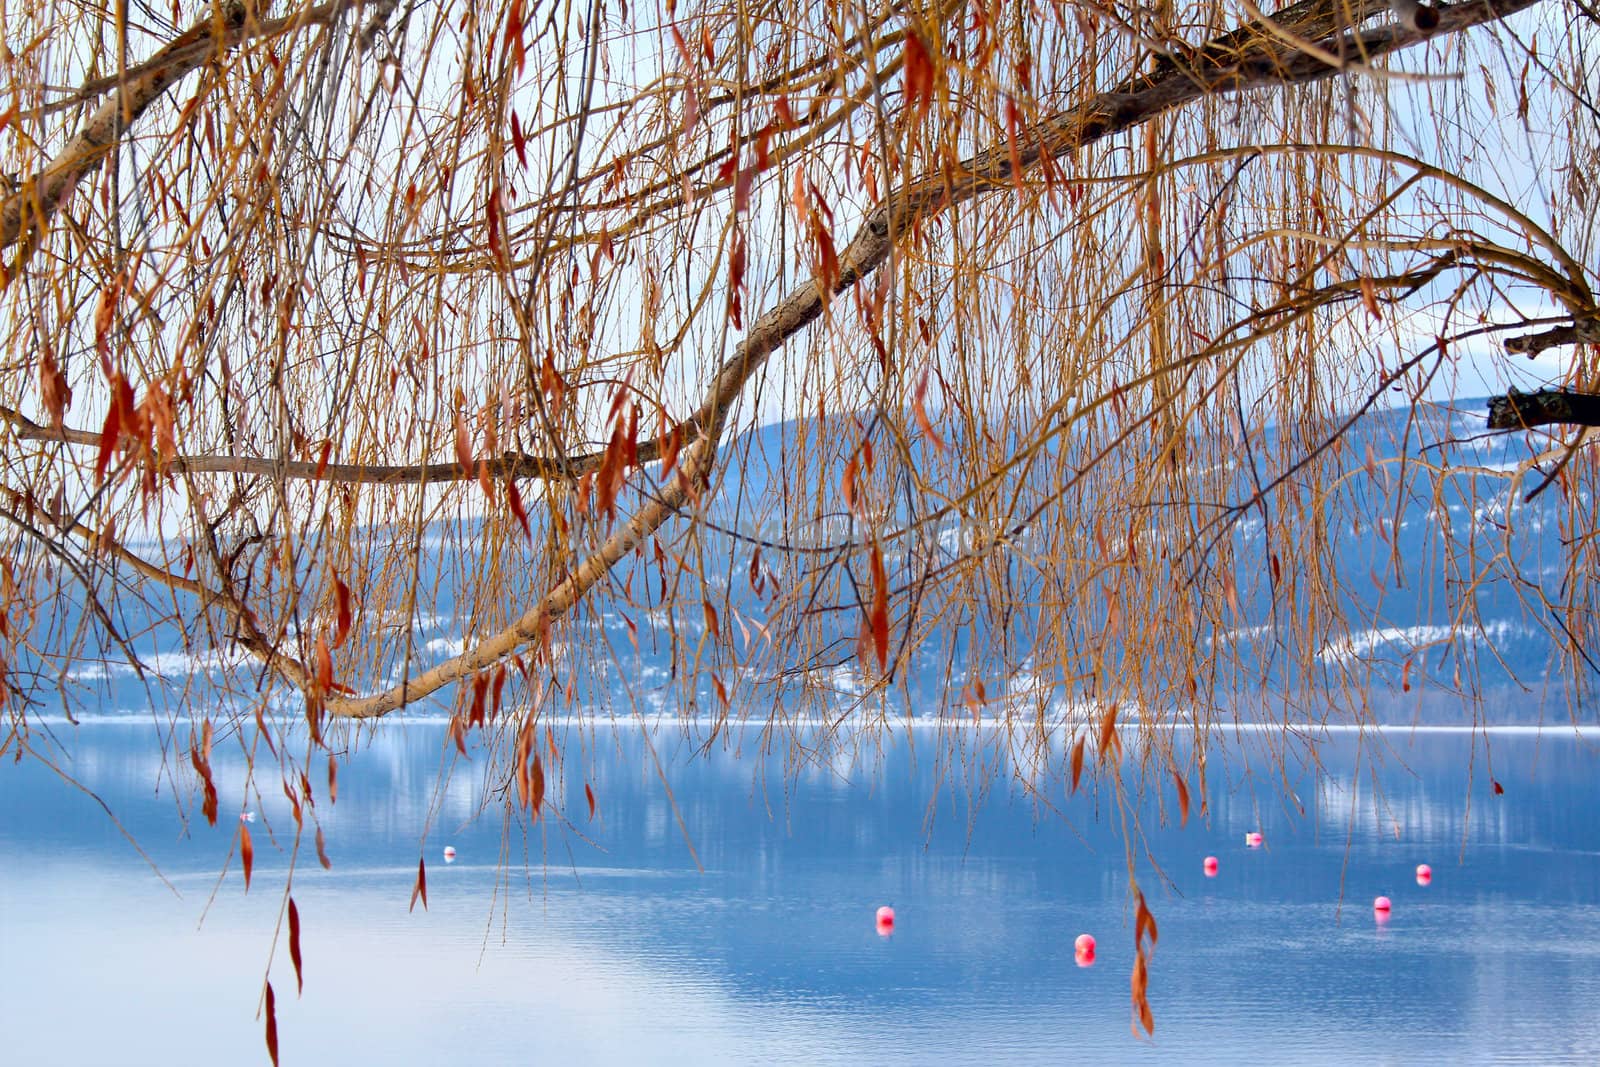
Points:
344	334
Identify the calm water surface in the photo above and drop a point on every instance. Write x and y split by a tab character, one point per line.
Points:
604	941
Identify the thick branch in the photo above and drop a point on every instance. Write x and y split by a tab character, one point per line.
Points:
1582	331
1244	59
1519	411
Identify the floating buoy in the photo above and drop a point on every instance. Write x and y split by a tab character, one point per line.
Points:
1424	874
1252	839
1083	950
1381	905
247	816
449	854
885	921
1211	866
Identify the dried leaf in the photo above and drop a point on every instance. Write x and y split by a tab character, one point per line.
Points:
880	609
536	785
247	854
421	887
294	947
1077	762
1183	797
322	852
333	780
1108	730
588	794
272	1025
341	597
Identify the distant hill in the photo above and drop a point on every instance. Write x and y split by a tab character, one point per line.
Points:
1437	613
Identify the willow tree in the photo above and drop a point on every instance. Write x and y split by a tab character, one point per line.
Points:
325	322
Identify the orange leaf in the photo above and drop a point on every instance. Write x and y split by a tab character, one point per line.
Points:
463	444
294	946
54	392
247	854
272	1026
711	619
333	780
921	413
323	677
421	888
1183	797
1108	730
536	785
322	852
1077	762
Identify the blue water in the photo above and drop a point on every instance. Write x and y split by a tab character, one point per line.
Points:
731	921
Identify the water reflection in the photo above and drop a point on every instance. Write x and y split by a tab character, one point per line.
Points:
614	946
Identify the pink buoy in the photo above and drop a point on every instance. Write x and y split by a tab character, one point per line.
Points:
1083	950
1252	839
1381	905
885	921
449	854
1424	874
1211	866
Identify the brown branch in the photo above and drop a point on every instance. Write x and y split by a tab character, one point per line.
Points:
1584	330
518	465
1519	411
1252	60
30	208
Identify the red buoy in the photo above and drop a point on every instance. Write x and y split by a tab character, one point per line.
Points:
1211	866
1252	839
1381	905
1083	950
1424	874
449	854
885	921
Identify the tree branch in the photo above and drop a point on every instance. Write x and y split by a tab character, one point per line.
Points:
1519	411
1247	58
30	208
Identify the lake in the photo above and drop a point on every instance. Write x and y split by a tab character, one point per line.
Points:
732	921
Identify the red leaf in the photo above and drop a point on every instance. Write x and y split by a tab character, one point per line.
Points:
247	854
588	794
110	434
1077	763
1499	790
880	609
341	596
272	1026
1183	797
421	888
518	141
919	74
514	498
294	947
492	224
